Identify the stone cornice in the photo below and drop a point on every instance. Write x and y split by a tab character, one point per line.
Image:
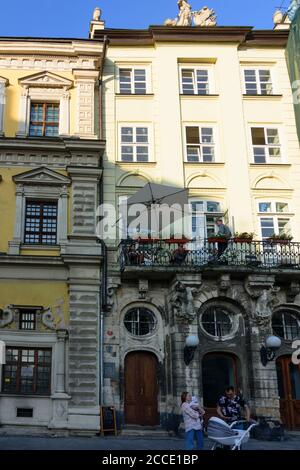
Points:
52	46
242	35
54	145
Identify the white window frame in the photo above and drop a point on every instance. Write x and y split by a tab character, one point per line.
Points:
268	159
273	214
135	125
132	67
203	213
194	69
256	69
200	145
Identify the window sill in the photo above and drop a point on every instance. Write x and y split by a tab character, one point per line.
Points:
28	247
119	162
268	165
204	163
209	96
261	97
134	95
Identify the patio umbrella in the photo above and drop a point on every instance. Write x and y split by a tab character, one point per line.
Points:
158	199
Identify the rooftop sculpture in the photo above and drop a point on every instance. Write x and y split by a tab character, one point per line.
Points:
187	17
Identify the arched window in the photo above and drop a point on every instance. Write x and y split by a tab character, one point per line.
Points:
140	321
286	325
217	321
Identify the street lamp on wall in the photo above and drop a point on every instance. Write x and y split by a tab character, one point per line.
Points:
191	344
267	351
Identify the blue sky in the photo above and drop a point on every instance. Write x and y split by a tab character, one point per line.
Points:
70	18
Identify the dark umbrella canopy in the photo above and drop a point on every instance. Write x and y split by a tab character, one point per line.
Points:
153	193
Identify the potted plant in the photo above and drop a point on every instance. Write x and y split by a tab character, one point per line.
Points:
243	237
282	238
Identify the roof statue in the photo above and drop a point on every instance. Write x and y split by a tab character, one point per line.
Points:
292	9
187	17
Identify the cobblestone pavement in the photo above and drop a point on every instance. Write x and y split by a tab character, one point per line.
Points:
291	442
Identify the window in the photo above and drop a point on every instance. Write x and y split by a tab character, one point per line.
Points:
258	82
286	325
27	371
132	81
266	145
140	321
44	120
134	144
204	215
200	145
195	81
41	222
217	321
27	319
275	224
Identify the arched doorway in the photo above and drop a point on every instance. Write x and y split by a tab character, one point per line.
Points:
288	375
141	389
218	371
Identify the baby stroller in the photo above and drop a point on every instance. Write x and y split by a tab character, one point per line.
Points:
223	434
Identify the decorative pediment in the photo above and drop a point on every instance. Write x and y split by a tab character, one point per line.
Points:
41	176
46	80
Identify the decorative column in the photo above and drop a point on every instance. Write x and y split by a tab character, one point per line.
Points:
64	111
24	113
3	84
14	245
60	398
85	116
63	216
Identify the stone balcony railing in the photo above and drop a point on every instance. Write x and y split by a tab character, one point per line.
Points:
267	254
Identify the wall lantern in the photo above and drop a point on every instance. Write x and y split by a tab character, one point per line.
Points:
267	352
191	344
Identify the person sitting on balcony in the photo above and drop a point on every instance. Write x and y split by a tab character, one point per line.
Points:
179	255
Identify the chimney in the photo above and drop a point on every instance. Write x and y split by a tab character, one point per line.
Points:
96	23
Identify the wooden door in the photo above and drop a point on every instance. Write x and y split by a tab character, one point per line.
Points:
288	375
141	389
218	371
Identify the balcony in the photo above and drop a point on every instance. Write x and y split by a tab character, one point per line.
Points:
207	254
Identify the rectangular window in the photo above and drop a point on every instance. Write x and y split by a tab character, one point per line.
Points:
274	225
133	81
27	319
195	81
44	120
258	82
203	222
134	144
266	145
41	223
200	145
27	371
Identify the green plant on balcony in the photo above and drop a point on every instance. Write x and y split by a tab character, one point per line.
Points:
218	238
282	237
243	237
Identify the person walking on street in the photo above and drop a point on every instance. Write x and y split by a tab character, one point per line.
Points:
192	423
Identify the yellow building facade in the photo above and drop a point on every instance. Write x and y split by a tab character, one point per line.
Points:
50	259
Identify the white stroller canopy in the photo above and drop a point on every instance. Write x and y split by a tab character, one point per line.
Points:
217	428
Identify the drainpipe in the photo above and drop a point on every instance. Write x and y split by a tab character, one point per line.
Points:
103	284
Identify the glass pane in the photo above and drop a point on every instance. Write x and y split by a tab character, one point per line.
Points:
213	206
126	134
126	153
187	82
282	207
197	206
267	227
251	89
208	154
250	75
275	152
283	225
265	75
192	135
142	134
273	136
193	154
202	82
125	81
52	113
142	154
207	135
266	88
258	136
259	154
264	207
51	131
35	130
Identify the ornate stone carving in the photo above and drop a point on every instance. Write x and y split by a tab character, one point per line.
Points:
54	321
97	14
293	291
187	17
48	319
6	316
182	302
224	282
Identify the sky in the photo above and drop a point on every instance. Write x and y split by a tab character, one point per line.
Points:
70	18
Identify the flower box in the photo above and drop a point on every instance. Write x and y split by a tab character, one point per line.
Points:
242	240
278	241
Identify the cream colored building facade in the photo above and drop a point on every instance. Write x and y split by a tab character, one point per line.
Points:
213	107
